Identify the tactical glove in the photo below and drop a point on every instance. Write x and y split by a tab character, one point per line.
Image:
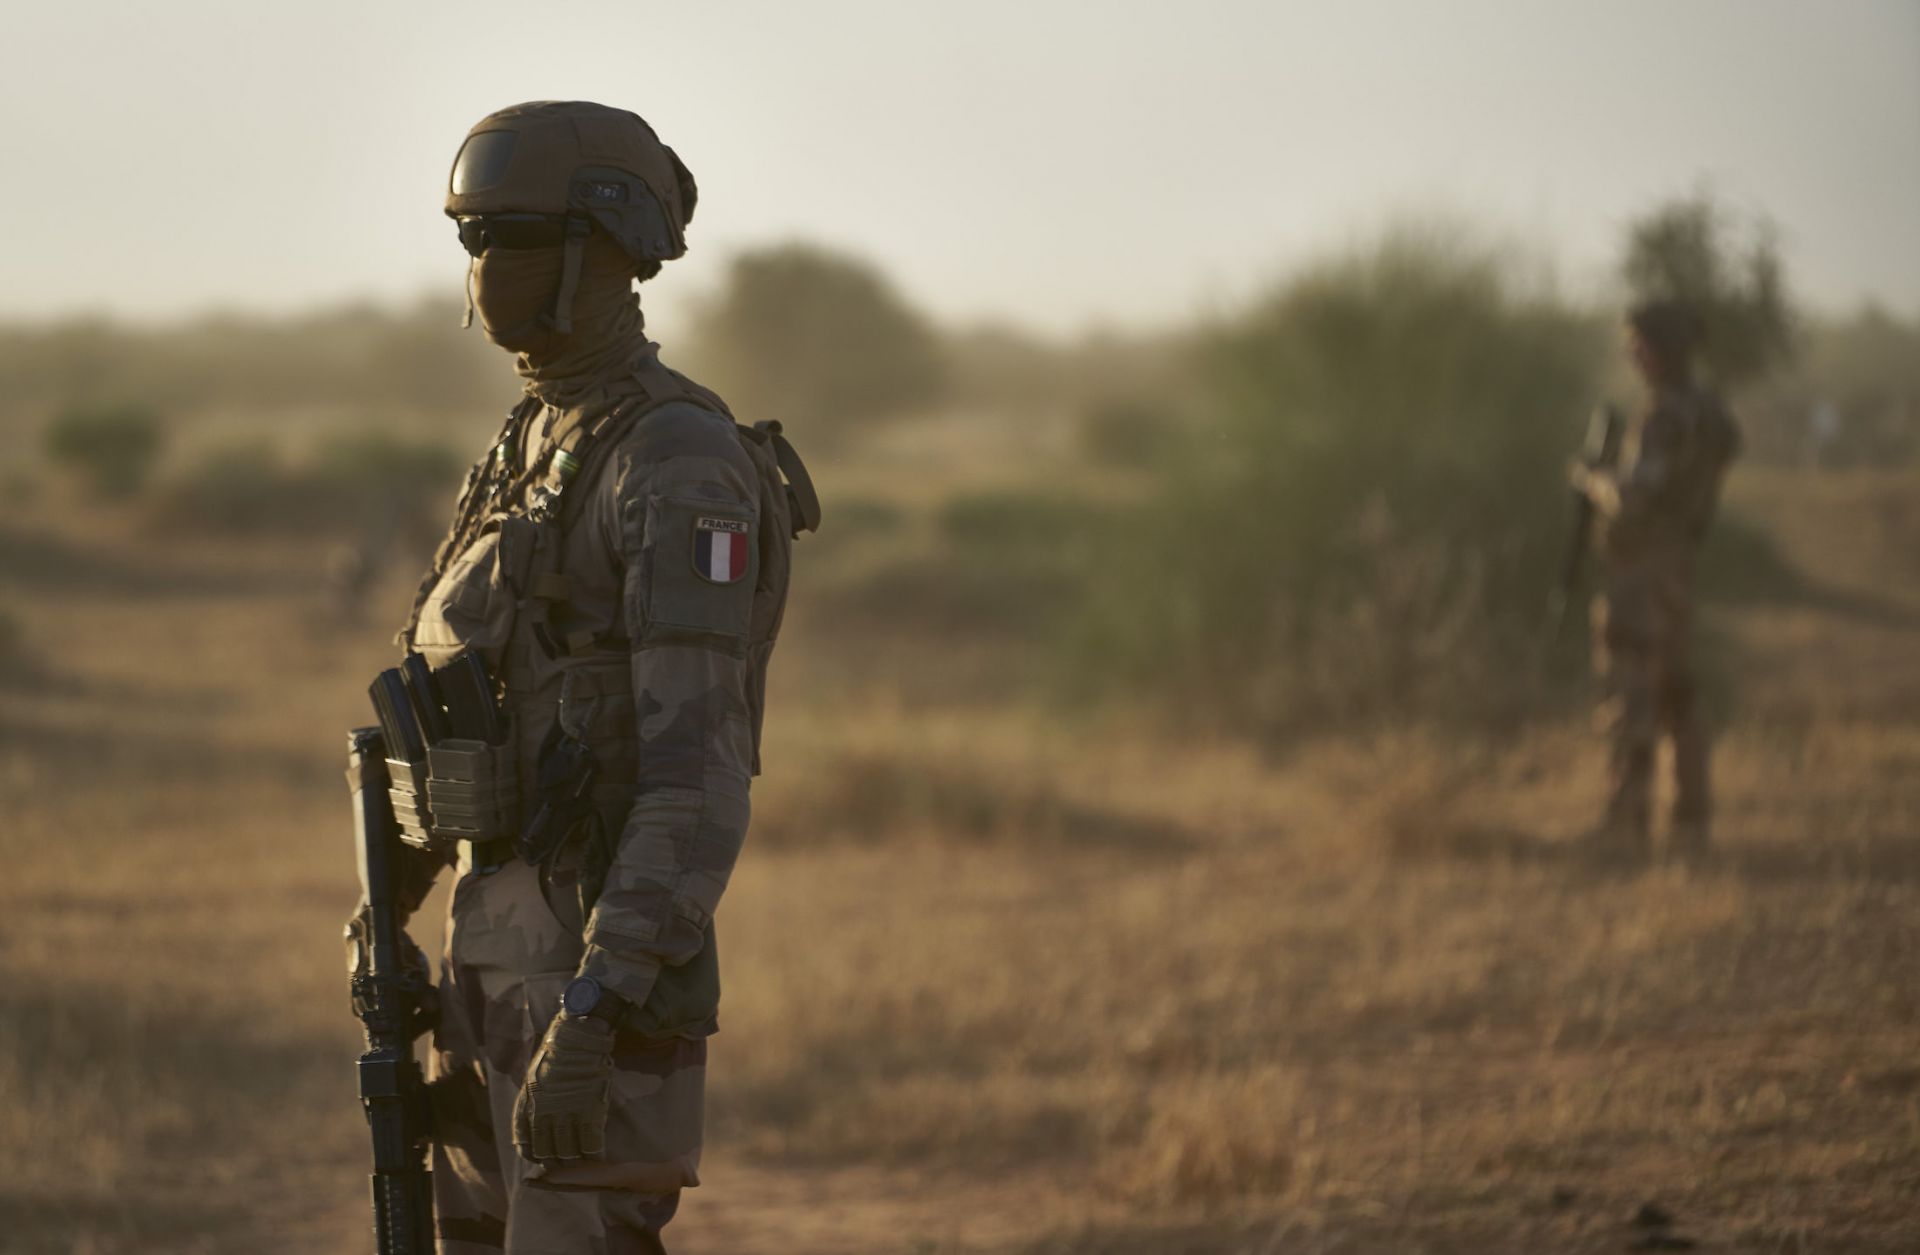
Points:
358	934
561	1112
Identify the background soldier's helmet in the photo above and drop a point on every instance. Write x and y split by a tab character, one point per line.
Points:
581	163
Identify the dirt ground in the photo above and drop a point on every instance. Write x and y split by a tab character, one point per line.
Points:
1001	980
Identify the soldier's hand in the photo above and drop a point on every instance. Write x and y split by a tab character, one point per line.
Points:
358	934
1596	485
561	1112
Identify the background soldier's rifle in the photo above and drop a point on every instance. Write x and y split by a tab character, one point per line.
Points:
1601	451
395	1005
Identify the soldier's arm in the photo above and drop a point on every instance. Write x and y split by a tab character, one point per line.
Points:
687	495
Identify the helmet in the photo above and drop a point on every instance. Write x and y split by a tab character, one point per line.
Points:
579	159
579	164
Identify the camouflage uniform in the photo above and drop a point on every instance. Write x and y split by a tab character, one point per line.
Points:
632	608
1643	616
661	671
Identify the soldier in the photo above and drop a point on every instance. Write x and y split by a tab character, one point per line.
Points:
1653	513
619	561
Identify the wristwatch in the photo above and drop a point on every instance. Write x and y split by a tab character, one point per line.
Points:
586	998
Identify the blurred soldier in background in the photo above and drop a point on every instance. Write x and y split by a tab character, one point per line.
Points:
618	561
1654	512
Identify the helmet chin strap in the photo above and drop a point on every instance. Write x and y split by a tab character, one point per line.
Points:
466	319
579	226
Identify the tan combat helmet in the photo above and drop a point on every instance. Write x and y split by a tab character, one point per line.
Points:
573	163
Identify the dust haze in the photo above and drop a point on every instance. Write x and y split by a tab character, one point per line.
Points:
1169	836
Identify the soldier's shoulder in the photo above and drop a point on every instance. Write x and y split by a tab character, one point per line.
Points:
680	428
681	445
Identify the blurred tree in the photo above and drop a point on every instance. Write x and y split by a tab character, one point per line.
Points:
812	336
1364	519
112	448
1695	250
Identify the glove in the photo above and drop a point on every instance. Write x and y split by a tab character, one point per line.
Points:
415	987
561	1112
1597	485
358	934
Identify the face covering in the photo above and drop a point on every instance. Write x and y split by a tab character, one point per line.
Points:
514	292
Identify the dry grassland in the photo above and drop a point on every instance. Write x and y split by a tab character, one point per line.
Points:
1001	980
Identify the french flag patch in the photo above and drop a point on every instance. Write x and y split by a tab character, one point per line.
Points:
720	548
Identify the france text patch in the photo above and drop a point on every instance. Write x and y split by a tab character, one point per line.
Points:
720	548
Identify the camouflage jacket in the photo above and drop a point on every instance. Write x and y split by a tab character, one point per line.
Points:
639	619
1677	455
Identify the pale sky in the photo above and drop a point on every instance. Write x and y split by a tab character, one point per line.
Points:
1057	164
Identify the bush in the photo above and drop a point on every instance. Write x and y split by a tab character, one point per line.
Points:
243	484
1127	432
359	482
818	339
112	448
1368	518
371	469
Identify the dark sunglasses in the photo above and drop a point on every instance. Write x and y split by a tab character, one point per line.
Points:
481	232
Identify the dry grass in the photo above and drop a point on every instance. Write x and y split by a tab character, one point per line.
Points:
1003	982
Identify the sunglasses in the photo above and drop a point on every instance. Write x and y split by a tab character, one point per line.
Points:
480	232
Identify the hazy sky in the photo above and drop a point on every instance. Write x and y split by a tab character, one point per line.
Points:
1047	162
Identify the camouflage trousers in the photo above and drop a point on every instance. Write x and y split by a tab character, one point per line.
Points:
511	949
1643	625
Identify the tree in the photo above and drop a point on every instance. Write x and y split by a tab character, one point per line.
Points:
1729	271
1366	513
815	337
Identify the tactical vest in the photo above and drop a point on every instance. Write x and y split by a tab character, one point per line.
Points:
500	584
1707	444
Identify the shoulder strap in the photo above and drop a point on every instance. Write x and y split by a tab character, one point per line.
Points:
484	479
803	502
581	448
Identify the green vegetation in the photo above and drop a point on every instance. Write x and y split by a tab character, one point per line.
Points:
816	338
1129	432
1698	251
346	360
355	481
112	448
1366	519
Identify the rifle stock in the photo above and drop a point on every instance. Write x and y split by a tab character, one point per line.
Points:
395	1005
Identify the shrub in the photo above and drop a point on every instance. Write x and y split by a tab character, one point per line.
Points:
112	448
1368	517
1126	432
359	482
371	468
816	338
242	484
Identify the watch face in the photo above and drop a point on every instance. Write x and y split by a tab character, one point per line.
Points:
582	996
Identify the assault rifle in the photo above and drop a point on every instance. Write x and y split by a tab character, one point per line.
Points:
395	1004
1601	451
